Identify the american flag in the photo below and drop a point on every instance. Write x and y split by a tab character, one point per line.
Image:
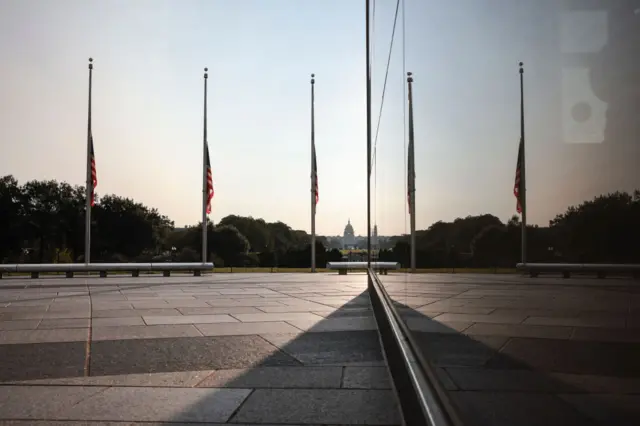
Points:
411	174
314	173
209	179
94	175
517	187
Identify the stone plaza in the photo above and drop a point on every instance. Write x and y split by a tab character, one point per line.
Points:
303	349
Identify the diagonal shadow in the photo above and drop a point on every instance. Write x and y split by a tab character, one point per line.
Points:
328	370
501	380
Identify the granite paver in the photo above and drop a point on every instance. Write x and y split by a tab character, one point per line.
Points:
228	348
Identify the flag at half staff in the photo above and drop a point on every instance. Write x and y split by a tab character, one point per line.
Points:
209	180
94	175
314	173
517	187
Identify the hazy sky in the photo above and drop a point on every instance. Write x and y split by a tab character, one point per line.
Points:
149	57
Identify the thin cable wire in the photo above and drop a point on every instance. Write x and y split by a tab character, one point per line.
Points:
386	75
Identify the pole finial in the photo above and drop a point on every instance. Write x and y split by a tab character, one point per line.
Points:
313	80
520	64
409	77
206	70
90	63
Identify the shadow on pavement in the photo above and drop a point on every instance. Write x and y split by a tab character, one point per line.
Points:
507	381
333	372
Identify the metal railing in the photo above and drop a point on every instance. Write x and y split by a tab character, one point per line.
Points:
35	269
601	270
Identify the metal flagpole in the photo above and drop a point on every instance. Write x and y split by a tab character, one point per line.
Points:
89	180
523	182
368	71
204	174
314	178
411	184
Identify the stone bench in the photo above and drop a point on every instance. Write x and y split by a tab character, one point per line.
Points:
343	267
35	269
601	270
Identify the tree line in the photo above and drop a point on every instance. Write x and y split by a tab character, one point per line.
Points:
43	222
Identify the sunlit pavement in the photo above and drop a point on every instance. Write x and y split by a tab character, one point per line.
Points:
236	348
523	351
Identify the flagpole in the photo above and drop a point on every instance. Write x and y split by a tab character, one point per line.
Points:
313	180
89	180
368	71
204	173
411	175
523	186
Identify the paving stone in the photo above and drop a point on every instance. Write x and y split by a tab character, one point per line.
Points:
183	379
16	309
329	348
520	330
565	356
220	310
599	384
608	322
155	304
19	325
184	354
345	313
366	378
64	323
293	309
606	335
160	404
189	319
42	360
458	350
117	313
276	377
490	318
320	406
43	336
242	303
471	379
143	332
185	303
69	307
111	305
247	328
40	402
428	325
511	408
337	324
114	322
565	313
266	317
457	310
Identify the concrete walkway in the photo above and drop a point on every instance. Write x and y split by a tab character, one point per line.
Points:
229	348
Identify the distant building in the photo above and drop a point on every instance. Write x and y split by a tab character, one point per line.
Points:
348	237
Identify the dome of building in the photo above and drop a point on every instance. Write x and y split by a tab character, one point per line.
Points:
348	230
348	238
